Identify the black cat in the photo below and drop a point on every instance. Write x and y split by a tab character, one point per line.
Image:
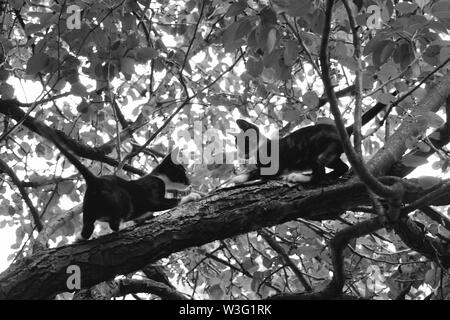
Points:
113	199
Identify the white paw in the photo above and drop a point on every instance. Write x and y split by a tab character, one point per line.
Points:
296	177
240	178
190	197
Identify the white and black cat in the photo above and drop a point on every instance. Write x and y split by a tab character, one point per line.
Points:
313	148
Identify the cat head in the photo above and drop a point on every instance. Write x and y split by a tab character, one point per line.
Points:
173	174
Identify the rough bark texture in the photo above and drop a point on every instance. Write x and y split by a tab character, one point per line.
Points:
219	216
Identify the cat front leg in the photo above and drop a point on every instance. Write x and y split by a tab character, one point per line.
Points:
240	178
297	177
193	196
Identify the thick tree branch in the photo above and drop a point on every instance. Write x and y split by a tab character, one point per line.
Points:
219	216
439	138
395	147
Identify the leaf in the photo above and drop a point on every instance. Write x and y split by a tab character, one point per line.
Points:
444	54
385	98
340	50
78	89
290	53
83	107
127	66
441	9
37	63
66	187
404	54
42	151
271	40
236	8
411	142
16	4
146	54
291	115
190	5
433	119
431	54
6	90
24	148
437	165
256	281
245	26
249	265
296	8
413	161
254	67
216	292
427	182
311	99
56	84
229	40
383	50
422	146
430	277
31	28
4	74
20	234
405	7
268	16
128	22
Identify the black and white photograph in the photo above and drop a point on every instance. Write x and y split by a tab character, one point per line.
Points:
219	158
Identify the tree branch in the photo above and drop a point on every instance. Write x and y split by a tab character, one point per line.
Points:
219	216
122	287
337	245
380	189
278	249
11	109
35	215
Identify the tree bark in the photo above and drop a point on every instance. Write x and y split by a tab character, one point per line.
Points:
221	215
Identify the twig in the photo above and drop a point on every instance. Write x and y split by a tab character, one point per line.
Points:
183	104
357	138
355	160
5	168
278	249
403	97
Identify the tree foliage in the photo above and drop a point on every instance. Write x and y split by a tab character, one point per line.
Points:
120	79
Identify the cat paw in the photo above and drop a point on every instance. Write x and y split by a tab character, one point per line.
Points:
190	197
240	178
296	177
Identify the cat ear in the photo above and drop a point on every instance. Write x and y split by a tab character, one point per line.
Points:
245	125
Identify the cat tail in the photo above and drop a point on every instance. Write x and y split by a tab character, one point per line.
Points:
54	136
